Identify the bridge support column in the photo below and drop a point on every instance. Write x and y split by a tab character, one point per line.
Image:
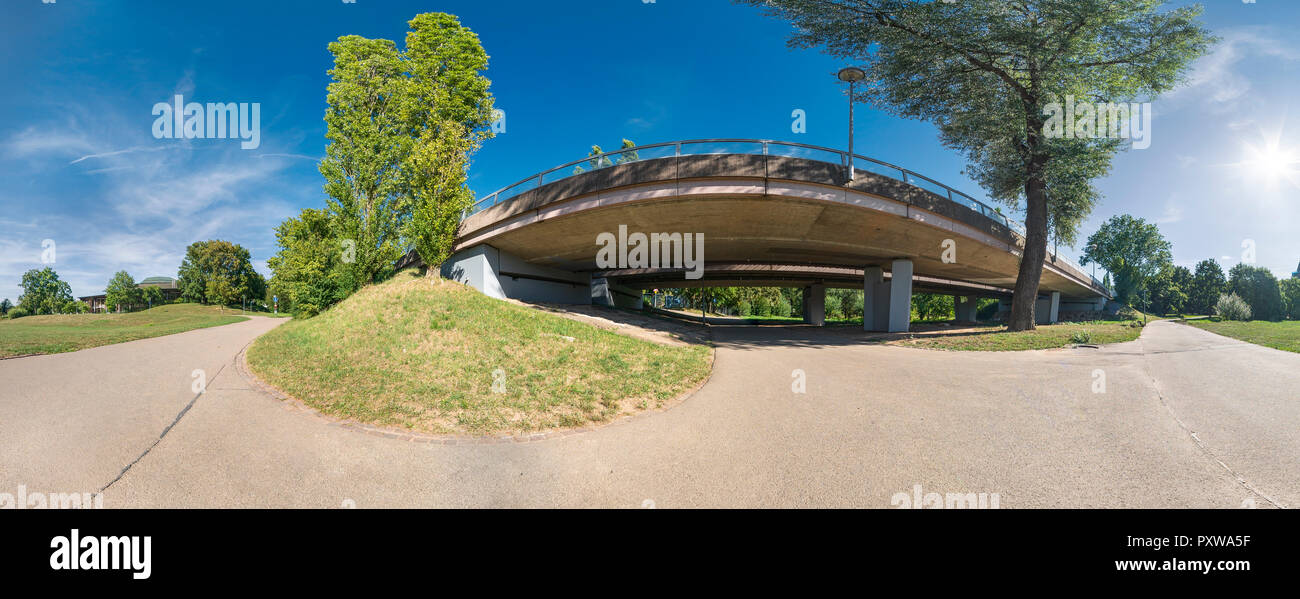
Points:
1047	309
900	296
606	293
965	307
499	274
875	300
814	301
477	267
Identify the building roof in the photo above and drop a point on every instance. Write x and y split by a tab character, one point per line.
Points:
159	281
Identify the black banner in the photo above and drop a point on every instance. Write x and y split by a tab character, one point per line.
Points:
1111	548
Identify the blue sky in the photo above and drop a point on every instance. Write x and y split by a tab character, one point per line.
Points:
80	166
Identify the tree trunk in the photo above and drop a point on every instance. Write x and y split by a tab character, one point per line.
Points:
1031	261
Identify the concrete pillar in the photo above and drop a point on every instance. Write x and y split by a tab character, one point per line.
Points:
875	299
815	300
900	296
477	267
1047	309
966	306
601	294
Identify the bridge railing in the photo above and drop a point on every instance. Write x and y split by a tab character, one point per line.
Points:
700	147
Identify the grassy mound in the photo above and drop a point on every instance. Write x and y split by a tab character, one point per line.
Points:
70	332
443	358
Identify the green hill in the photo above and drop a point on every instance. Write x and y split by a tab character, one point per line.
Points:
425	357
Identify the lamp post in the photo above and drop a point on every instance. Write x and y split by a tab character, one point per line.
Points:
851	75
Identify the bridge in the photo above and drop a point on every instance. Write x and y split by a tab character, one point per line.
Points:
771	214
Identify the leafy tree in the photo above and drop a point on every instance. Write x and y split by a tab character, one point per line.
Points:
1208	283
984	73
1131	249
625	156
1167	295
400	126
152	295
43	292
451	113
308	273
5	305
213	271
369	139
1258	287
74	307
932	306
121	292
845	302
1290	289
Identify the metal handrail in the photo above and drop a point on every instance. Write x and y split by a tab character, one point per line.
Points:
606	159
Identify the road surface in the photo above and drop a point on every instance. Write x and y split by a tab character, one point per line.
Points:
1178	418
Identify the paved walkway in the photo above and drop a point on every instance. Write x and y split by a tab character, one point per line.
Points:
1186	419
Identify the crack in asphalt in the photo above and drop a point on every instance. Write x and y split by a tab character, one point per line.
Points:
155	443
1155	384
207	385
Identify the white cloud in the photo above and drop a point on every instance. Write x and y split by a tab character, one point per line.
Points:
1217	79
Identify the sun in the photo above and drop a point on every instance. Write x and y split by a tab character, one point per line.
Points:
1273	164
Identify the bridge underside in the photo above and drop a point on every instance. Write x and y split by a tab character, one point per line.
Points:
887	238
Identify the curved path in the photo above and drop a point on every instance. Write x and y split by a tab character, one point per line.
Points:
1186	419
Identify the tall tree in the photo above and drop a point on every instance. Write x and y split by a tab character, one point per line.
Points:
5	305
1208	283
43	292
1168	289
450	115
984	72
218	271
368	139
401	125
121	292
1258	287
1133	250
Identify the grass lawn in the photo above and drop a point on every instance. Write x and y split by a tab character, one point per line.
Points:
70	332
425	357
997	338
1283	335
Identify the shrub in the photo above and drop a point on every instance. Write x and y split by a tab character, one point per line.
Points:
1128	313
762	306
744	308
1082	337
1231	307
18	312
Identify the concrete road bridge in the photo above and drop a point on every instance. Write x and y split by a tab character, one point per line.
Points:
770	213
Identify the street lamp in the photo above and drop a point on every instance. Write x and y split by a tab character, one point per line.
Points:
851	75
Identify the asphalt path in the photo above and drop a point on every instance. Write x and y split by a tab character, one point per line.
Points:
1179	418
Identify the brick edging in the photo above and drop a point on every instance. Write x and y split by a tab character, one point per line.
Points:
296	405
